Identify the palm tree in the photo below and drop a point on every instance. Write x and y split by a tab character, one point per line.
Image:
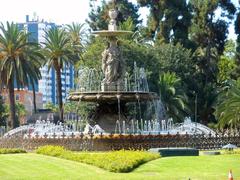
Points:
77	32
77	35
37	60
172	96
16	63
228	110
58	51
34	80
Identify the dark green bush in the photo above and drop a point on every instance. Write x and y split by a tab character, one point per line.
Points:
114	161
11	151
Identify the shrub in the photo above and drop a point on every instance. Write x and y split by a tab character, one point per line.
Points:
114	161
51	150
11	151
234	151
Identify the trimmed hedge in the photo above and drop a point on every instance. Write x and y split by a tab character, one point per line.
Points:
11	151
114	161
234	151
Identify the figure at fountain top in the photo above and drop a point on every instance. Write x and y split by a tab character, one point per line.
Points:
112	26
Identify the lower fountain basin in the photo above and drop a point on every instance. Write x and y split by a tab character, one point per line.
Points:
112	96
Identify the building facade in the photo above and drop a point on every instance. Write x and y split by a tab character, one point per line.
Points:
47	85
24	97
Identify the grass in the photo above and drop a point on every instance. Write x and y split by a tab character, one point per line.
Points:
34	166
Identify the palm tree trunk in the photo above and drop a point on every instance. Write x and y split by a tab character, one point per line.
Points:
34	97
13	121
59	93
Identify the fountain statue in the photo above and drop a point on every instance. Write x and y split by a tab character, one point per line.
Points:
113	67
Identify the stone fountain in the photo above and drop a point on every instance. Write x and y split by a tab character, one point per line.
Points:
112	92
112	96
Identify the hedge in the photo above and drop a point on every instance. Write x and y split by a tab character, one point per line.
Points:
113	161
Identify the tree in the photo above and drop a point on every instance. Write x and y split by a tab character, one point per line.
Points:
237	31
52	107
92	55
20	111
37	62
177	59
77	32
172	96
98	17
208	33
228	109
3	113
168	20
227	64
16	63
58	51
226	68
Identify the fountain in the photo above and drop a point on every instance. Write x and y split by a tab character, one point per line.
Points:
109	127
114	91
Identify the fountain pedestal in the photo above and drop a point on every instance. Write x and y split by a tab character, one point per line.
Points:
107	114
113	86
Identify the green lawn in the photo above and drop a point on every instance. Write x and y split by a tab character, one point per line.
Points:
34	166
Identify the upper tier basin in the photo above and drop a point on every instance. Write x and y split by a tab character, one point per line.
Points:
112	96
107	33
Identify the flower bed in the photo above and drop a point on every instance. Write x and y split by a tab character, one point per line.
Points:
114	161
11	151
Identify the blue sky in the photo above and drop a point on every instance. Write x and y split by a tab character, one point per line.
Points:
59	11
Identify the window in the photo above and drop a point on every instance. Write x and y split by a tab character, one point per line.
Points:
17	97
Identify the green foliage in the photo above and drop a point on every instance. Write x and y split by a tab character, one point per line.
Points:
115	161
81	108
168	20
19	62
207	96
209	35
92	55
144	56
51	106
20	111
226	68
234	151
227	65
237	31
11	151
228	108
77	35
172	96
59	51
175	58
3	113
49	150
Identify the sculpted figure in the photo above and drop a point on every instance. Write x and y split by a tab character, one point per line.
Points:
112	63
